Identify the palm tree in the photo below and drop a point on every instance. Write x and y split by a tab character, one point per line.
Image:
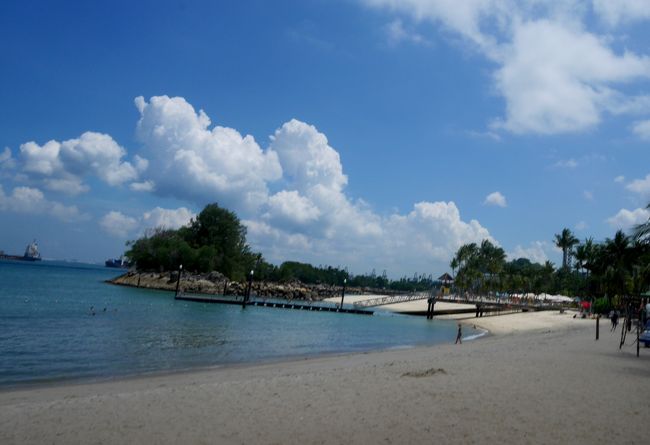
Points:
565	241
581	257
642	231
617	254
454	266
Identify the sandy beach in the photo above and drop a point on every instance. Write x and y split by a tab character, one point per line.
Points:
539	378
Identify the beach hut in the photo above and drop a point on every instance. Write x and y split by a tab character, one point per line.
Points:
446	281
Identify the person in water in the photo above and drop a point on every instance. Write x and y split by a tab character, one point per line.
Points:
459	336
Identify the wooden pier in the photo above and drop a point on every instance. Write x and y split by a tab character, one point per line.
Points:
316	306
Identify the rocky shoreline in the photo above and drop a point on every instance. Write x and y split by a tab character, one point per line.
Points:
217	284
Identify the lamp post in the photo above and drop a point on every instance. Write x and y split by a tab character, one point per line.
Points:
345	280
178	281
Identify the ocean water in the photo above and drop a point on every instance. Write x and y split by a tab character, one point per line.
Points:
48	332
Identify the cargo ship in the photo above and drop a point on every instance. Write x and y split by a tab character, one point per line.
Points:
31	254
121	263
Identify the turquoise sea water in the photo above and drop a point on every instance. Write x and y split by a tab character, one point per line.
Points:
48	332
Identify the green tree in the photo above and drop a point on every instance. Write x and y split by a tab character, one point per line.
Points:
642	231
565	241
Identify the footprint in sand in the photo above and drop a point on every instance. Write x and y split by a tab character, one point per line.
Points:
427	373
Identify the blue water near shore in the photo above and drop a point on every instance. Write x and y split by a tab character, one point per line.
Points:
48	332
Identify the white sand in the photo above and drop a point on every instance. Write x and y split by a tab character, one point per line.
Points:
543	380
417	305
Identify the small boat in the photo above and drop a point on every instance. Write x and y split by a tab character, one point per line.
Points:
120	263
31	254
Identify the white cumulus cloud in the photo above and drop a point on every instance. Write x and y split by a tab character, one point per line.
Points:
32	201
189	160
626	219
167	218
642	129
495	199
119	225
145	186
6	160
63	166
615	12
555	74
640	186
536	252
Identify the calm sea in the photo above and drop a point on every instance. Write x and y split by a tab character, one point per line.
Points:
48	332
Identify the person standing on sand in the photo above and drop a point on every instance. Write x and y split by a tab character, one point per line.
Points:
459	335
614	320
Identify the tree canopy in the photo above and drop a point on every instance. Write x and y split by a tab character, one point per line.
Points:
214	240
614	269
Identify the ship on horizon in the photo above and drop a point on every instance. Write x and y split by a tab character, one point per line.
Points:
120	263
31	254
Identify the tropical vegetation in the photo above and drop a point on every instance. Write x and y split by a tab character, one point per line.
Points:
215	240
605	272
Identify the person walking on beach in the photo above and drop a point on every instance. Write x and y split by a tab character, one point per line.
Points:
614	320
459	335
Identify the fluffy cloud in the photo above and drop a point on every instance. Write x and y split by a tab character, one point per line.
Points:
188	160
495	199
314	177
535	252
640	186
422	240
615	12
557	78
290	207
555	75
167	218
6	160
292	195
119	225
626	219
145	186
642	129
62	166
32	201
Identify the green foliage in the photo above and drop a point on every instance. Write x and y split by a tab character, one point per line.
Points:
306	273
214	240
565	241
480	268
602	306
617	268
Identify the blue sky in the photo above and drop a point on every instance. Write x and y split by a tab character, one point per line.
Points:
368	134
